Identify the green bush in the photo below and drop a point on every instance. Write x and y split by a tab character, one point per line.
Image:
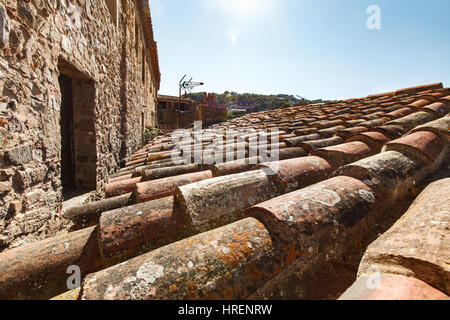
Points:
151	134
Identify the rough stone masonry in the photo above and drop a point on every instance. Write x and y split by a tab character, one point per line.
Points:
78	83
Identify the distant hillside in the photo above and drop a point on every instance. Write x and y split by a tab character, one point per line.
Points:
254	102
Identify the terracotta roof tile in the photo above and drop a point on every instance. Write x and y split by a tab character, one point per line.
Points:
121	187
310	219
300	218
45	262
393	131
440	108
391	173
440	127
155	189
321	143
292	174
400	113
231	256
423	144
417	245
345	153
413	120
392	287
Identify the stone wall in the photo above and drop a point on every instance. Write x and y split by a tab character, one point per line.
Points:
114	89
173	115
209	111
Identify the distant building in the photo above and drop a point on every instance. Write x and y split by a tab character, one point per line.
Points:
176	113
209	111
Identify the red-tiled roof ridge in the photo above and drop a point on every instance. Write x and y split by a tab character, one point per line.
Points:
173	98
415	89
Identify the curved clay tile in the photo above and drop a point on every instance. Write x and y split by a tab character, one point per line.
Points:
160	188
422	144
327	124
391	173
232	167
345	153
316	144
140	170
228	263
400	113
92	210
420	88
393	131
121	187
354	121
421	103
348	132
289	153
130	231
120	178
211	202
45	262
418	245
297	141
392	287
292	174
329	132
439	108
374	123
159	173
139	161
323	215
440	127
413	120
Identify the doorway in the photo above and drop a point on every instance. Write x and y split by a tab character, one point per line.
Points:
67	135
78	134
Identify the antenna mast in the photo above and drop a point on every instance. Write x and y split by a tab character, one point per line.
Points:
187	86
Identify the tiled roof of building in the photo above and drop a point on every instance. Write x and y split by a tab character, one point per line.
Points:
174	99
296	227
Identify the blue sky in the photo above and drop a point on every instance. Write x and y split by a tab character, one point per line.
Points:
312	48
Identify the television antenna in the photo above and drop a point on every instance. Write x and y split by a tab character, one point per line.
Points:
187	85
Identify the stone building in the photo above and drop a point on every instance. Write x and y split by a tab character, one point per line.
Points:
174	112
78	83
209	111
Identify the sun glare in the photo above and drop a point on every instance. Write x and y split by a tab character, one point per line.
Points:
246	8
243	7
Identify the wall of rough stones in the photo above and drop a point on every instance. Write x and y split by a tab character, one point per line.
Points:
115	82
169	116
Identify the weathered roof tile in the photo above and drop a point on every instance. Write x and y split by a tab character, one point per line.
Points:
418	245
160	188
423	144
391	287
227	263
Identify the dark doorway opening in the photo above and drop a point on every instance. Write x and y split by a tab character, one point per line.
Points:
67	135
78	134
